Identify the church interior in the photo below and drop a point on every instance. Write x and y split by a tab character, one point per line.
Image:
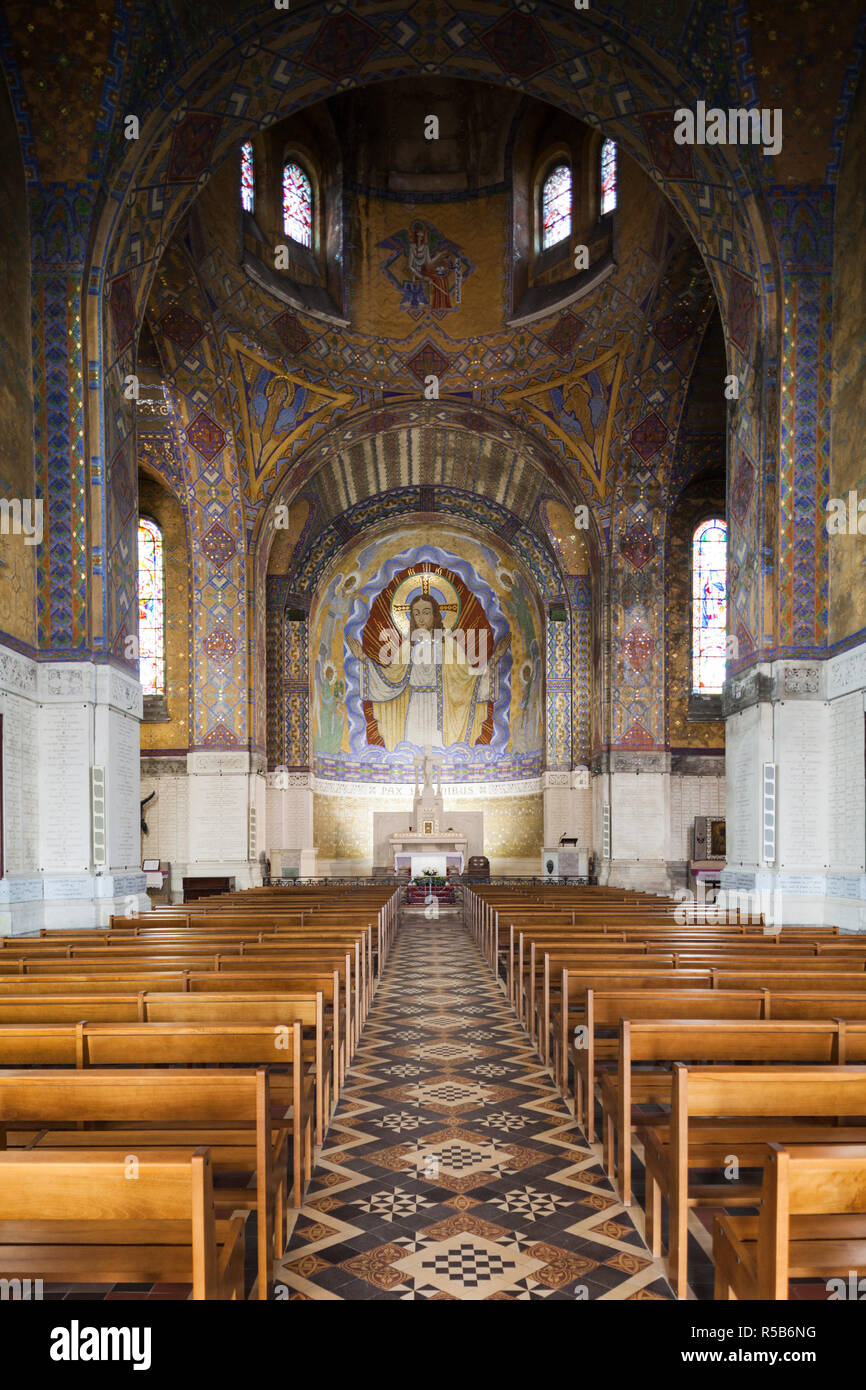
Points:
432	652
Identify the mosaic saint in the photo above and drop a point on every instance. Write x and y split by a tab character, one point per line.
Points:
428	269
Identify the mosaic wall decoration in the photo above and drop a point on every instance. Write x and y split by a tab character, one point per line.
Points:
279	412
428	270
766	248
579	410
380	695
343	824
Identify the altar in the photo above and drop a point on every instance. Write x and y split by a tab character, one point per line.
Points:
428	844
419	854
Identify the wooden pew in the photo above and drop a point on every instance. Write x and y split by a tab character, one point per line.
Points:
665	1041
757	1106
811	1225
783	984
78	1218
721	959
227	1110
604	1010
319	1019
276	1045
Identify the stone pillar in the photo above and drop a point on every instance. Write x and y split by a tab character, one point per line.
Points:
71	794
799	856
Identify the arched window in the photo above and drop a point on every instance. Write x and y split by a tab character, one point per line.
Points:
709	606
248	177
556	206
151	608
608	176
297	204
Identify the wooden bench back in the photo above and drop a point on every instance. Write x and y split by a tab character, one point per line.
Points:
830	981
807	1180
218	1099
95	1188
50	1186
704	1092
190	1044
49	1008
729	1040
605	1008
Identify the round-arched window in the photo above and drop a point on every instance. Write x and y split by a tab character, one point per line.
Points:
709	606
556	206
297	204
151	608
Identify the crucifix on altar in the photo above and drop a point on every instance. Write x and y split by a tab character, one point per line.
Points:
428	801
428	766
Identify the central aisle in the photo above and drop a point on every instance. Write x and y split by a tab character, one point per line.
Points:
452	1168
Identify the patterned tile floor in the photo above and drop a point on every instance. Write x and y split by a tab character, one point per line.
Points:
452	1169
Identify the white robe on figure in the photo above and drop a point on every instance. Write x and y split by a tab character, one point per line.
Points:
427	703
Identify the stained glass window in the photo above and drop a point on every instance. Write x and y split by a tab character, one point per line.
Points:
709	606
151	608
297	204
608	176
556	206
248	178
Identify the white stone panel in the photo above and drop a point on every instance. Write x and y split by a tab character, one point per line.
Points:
64	788
847	785
802	787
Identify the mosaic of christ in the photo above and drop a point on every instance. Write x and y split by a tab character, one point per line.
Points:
428	664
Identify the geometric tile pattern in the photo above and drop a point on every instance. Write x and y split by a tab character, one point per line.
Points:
465	1177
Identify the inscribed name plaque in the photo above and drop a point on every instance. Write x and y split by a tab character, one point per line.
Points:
742	762
803	786
64	789
218	818
124	835
639	818
20	790
847	786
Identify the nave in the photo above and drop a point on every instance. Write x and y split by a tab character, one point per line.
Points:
452	1169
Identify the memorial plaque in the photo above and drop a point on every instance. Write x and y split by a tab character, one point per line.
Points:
803	786
847	788
124	762
64	788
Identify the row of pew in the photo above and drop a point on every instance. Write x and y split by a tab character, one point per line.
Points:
731	1057
165	1077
